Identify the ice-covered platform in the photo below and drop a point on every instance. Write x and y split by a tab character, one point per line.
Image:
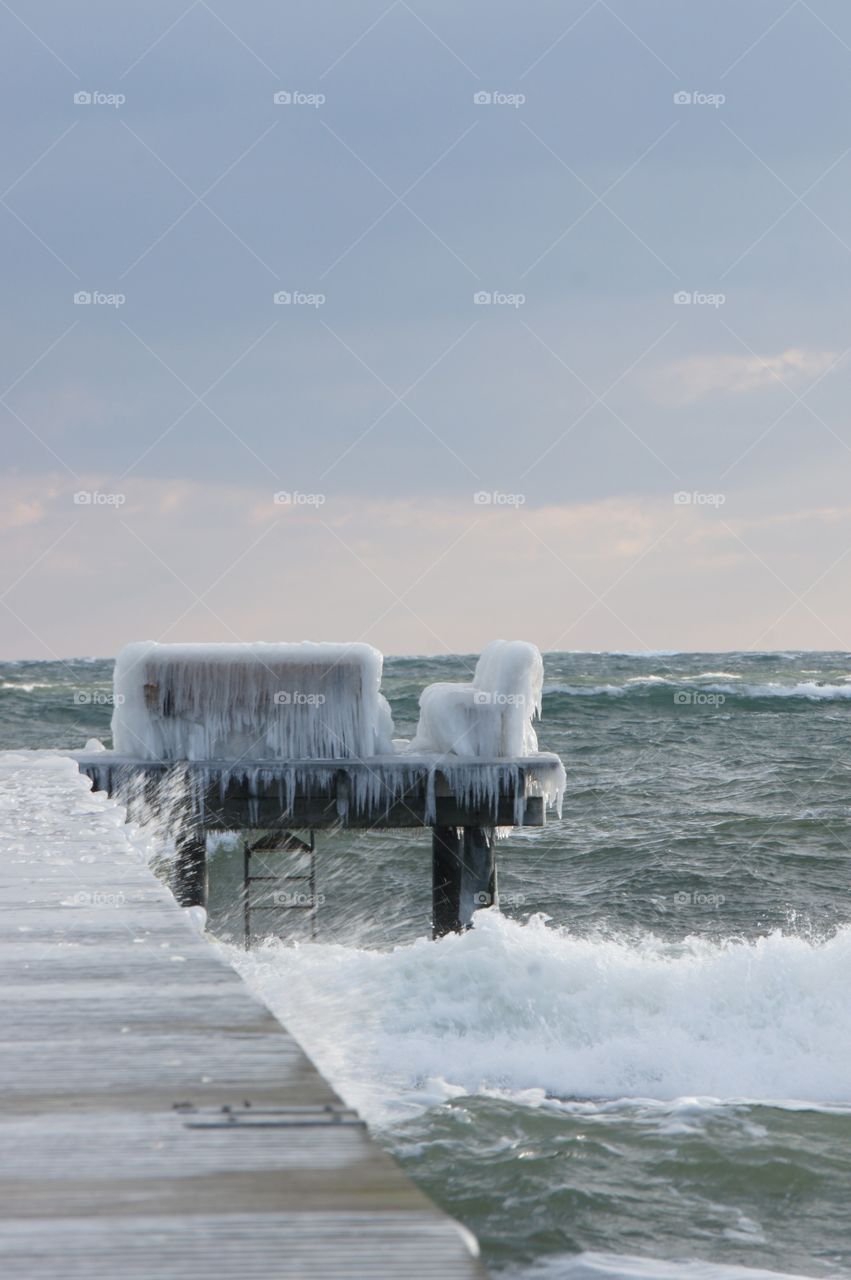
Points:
462	801
379	792
280	737
158	1121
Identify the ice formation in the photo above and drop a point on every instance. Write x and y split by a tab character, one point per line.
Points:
376	785
492	716
357	787
268	715
250	701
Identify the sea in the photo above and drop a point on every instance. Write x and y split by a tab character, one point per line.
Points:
639	1065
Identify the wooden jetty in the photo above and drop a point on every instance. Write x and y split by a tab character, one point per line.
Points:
158	1121
279	738
461	801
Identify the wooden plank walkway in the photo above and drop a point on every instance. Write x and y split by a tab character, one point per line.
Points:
123	1037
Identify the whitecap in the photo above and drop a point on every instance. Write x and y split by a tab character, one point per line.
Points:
532	1013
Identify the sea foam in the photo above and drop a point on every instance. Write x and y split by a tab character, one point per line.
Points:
530	1011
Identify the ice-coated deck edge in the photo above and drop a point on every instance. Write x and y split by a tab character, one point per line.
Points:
403	790
124	1034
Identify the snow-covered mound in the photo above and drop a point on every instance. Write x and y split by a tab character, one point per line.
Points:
492	716
250	701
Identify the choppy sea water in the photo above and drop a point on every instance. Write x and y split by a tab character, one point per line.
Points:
642	1066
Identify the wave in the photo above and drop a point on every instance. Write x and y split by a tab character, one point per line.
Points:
20	687
810	690
531	1013
649	654
616	1266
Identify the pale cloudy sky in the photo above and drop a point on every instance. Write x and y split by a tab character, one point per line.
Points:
625	155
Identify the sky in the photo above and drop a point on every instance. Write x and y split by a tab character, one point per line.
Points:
424	323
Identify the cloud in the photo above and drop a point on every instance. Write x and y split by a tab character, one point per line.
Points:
696	377
227	563
18	512
209	397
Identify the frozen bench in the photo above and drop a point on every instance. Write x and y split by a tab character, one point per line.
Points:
250	701
491	717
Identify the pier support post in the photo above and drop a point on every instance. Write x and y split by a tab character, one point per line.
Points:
190	868
478	874
446	853
463	877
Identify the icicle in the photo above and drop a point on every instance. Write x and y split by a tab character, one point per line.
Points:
492	716
253	701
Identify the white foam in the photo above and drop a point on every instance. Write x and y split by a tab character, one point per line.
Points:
25	688
589	690
532	1012
616	1266
806	689
649	654
44	797
809	689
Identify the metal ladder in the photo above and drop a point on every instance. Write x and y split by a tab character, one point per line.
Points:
273	842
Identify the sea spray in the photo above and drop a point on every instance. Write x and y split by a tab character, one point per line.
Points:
514	1007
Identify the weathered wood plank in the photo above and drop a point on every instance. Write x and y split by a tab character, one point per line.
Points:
115	1014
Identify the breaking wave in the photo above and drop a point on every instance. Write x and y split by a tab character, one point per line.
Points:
530	1012
648	686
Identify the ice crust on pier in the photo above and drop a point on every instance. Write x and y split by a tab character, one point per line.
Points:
371	787
250	701
492	716
271	717
376	785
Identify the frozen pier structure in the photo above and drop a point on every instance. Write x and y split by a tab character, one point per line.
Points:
279	738
158	1121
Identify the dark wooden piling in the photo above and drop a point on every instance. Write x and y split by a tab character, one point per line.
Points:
190	867
446	855
478	873
463	877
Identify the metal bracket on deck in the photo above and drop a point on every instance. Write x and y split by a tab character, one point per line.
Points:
248	1117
